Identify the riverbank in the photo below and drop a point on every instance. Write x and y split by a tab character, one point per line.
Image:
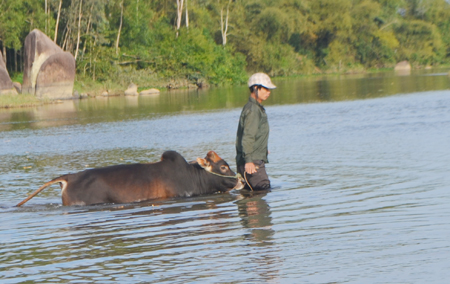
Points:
85	87
12	101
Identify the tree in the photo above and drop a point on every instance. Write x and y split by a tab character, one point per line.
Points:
57	20
120	27
420	42
187	15
13	26
79	29
224	25
179	14
281	37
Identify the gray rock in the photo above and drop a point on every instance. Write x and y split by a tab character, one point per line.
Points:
148	92
56	77
18	87
6	85
402	66
132	90
48	70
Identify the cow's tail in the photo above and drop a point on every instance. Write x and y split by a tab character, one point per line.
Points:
62	179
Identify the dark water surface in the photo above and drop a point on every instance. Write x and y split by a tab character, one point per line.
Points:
360	165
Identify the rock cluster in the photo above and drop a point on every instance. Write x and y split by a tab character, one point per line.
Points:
133	91
49	72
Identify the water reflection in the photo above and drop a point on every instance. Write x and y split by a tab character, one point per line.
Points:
289	91
255	215
113	242
403	72
256	218
50	115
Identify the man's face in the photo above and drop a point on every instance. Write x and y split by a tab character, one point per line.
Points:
263	94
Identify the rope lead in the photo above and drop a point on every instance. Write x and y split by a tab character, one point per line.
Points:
245	176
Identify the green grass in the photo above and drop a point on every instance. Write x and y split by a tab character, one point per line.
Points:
9	101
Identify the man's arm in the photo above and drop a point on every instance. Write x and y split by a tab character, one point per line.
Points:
251	125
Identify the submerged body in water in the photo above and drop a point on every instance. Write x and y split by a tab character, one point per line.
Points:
168	178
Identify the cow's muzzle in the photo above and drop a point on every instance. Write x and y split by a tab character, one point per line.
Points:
241	182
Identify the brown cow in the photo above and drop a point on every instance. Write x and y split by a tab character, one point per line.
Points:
170	177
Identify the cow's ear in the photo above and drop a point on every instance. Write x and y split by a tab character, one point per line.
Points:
204	164
213	156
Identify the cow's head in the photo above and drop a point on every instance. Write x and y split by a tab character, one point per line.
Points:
217	166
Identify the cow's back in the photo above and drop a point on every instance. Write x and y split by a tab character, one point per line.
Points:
130	183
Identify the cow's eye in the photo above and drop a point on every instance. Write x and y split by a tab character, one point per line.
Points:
223	168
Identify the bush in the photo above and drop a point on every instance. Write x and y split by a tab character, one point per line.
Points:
420	42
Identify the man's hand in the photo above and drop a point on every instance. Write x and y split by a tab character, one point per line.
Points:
250	168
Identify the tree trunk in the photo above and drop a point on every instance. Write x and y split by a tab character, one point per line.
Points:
120	27
187	15
15	60
66	36
91	53
46	16
179	14
79	30
4	54
57	21
224	26
87	29
137	10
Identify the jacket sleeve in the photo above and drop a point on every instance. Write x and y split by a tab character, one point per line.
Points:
251	125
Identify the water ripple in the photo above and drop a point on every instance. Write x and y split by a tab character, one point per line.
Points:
360	192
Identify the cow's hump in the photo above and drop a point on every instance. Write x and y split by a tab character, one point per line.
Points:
172	156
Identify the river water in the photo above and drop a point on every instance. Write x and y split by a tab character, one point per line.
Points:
360	167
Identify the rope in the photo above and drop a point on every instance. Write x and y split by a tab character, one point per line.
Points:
238	175
245	176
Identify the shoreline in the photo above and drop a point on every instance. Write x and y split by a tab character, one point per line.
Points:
91	89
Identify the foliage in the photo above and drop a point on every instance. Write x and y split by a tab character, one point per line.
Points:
280	37
420	42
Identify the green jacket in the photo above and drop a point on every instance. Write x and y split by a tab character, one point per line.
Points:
252	134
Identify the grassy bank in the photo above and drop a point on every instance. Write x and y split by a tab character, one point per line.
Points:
91	88
86	86
10	101
117	83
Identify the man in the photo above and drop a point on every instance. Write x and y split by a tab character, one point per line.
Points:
253	134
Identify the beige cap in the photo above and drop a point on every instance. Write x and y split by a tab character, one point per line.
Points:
261	79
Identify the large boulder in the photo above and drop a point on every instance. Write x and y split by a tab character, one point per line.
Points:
132	90
6	85
403	68
48	70
56	77
150	92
